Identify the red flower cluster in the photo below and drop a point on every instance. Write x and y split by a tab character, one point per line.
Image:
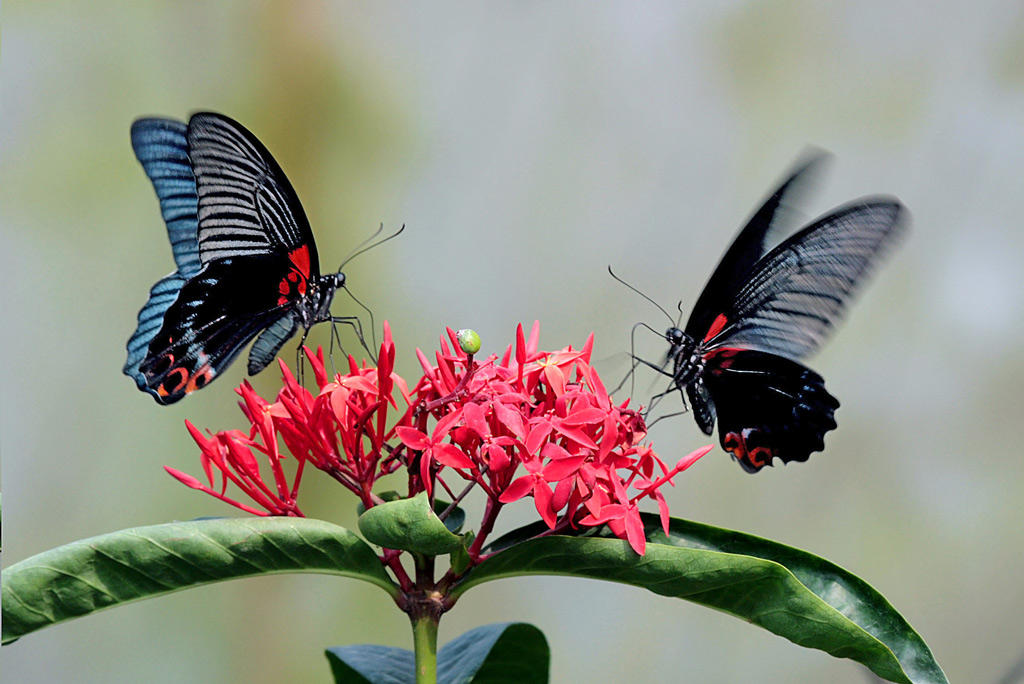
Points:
531	423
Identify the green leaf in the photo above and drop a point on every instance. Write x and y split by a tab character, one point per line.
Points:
372	664
504	653
455	519
409	525
792	593
142	562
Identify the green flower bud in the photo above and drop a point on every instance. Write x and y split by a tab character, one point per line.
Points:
469	341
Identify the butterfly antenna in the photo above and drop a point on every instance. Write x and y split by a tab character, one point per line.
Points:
368	244
662	310
631	373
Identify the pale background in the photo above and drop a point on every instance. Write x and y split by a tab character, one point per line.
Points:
527	146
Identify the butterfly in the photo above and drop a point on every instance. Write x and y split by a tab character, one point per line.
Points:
246	261
737	358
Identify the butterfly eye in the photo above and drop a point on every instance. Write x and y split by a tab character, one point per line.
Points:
674	335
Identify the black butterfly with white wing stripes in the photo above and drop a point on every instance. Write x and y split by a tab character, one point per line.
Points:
246	261
763	310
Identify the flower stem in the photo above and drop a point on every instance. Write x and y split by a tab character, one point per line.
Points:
424	636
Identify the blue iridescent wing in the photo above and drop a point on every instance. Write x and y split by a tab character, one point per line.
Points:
266	346
161	147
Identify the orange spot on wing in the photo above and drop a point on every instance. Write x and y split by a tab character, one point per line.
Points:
201	378
166	387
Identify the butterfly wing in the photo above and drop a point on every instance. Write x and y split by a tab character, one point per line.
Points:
246	256
767	407
797	292
215	315
162	148
778	213
247	207
266	346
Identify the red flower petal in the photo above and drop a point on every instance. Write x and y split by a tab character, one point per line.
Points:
185	479
542	499
451	456
498	459
586	415
474	415
554	452
576	435
412	438
563	468
539	432
635	531
519	488
513	420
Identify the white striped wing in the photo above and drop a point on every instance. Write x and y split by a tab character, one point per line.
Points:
799	290
247	207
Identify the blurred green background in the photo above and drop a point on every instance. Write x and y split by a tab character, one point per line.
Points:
527	146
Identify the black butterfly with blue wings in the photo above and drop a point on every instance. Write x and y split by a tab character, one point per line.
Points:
246	261
763	310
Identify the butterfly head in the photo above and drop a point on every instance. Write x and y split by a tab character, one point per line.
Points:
339	280
678	340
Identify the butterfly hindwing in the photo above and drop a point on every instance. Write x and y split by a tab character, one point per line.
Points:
151	318
266	346
216	314
767	407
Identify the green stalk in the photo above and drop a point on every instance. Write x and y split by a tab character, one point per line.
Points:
424	636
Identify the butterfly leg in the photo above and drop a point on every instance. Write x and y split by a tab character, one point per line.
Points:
357	328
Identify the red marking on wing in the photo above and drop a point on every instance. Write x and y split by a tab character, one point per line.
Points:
736	444
166	387
297	278
716	327
200	379
723	358
300	257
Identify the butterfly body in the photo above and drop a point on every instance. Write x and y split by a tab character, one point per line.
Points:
247	263
737	359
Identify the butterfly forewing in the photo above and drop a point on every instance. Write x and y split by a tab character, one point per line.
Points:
162	148
797	292
777	215
247	207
